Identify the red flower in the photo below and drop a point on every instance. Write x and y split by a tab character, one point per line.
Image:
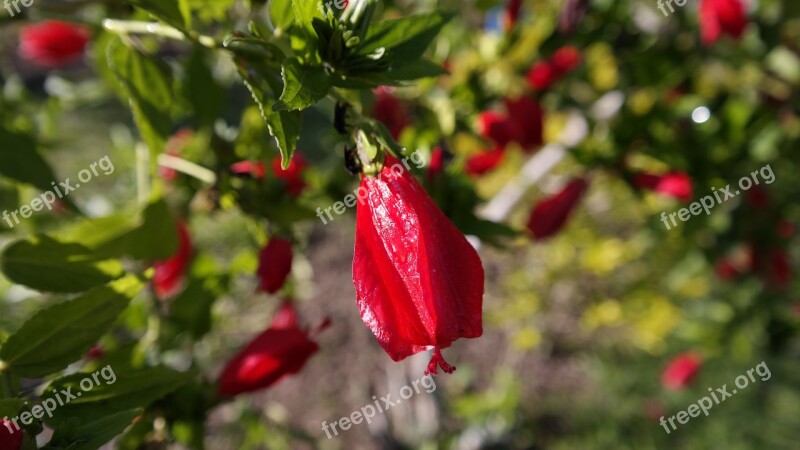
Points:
52	44
274	264
776	269
565	59
484	162
785	229
680	372
757	197
391	111
721	16
255	169
95	352
419	283
512	13
283	349
293	175
542	75
495	127
527	121
10	437
170	272
673	184
436	164
551	214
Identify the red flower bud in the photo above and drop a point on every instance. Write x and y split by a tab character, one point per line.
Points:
436	164
550	214
680	372
673	184
721	16
390	111
255	169
541	76
293	175
10	437
169	273
484	162
95	352
566	59
52	44
419	283
283	349
274	264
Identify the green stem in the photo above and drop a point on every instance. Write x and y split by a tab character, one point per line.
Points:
158	29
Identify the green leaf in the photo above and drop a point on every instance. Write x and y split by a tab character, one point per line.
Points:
303	86
148	85
284	126
407	37
131	389
46	264
150	237
421	68
191	310
60	334
205	95
169	11
95	434
281	12
9	407
305	11
21	161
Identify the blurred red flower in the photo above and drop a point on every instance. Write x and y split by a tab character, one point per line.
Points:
495	127
52	44
391	111
551	214
513	8
293	175
774	268
566	59
483	162
436	164
283	349
526	121
274	264
419	283
673	184
541	76
95	352
10	437
721	16
681	370
255	169
169	273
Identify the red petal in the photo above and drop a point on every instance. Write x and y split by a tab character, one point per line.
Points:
275	264
550	214
418	281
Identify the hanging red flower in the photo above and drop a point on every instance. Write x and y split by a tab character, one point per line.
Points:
10	437
566	59
293	175
52	44
550	215
283	349
541	76
681	371
544	73
719	17
169	273
673	184
419	283
274	264
436	164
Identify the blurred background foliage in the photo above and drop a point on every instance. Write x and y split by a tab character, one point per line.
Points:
578	328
